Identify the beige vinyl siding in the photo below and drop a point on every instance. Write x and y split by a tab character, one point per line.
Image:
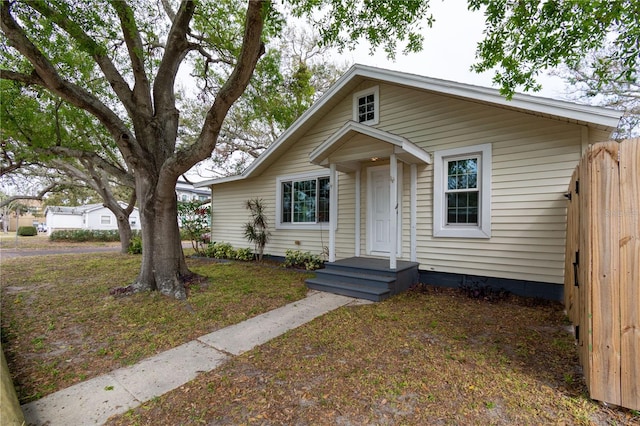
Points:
532	161
229	198
533	158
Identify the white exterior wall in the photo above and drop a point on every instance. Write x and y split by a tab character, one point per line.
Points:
56	221
93	221
88	220
533	158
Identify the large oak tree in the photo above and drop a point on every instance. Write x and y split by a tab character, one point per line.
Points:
120	60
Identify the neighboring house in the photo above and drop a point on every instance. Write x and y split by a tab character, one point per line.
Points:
406	168
90	216
187	192
30	214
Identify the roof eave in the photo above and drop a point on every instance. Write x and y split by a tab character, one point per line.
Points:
586	114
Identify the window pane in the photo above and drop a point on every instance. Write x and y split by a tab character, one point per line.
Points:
286	202
473	199
473	215
323	199
462	208
304	201
366	108
462	174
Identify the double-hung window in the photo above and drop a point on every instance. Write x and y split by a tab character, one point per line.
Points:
462	192
303	200
105	220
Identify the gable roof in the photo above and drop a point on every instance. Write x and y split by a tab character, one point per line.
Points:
399	145
576	113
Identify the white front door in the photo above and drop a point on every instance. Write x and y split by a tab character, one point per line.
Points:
380	220
378	211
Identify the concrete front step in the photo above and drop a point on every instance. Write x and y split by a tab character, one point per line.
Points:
361	291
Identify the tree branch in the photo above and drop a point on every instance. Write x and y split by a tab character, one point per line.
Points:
123	177
252	50
141	89
28	79
66	90
89	45
38	196
176	49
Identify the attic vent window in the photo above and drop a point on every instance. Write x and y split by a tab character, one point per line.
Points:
366	106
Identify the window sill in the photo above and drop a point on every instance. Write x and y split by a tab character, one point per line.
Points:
309	226
461	233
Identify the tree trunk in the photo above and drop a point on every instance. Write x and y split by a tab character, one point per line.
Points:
124	230
163	265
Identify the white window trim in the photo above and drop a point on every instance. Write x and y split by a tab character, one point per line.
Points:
300	176
102	219
375	91
440	228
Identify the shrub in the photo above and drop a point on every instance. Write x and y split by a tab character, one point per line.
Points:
27	231
220	251
256	231
195	222
82	235
244	254
300	259
135	245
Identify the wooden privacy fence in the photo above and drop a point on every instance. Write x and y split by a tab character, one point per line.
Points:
602	269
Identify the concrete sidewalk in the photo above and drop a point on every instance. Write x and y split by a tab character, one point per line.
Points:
94	401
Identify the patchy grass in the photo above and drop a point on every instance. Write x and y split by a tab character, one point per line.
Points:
433	357
430	358
60	326
41	241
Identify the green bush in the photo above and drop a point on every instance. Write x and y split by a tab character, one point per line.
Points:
27	231
135	245
300	259
220	251
244	254
82	235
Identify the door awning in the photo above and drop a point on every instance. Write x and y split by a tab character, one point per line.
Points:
354	143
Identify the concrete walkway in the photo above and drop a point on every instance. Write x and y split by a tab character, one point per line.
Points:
94	401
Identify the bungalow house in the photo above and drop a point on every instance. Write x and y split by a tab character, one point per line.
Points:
390	173
90	216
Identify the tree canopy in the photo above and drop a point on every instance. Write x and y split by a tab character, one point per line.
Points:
121	63
525	37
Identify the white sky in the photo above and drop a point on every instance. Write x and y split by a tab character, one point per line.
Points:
449	50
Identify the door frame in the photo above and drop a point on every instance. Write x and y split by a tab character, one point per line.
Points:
369	215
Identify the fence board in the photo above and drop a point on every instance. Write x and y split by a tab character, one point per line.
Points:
630	273
584	309
603	223
605	296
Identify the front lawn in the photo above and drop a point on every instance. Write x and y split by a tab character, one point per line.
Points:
61	325
420	358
